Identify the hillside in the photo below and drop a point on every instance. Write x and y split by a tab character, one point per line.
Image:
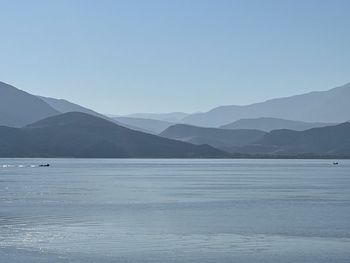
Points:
324	141
64	106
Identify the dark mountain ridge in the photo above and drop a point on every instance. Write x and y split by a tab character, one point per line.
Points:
323	141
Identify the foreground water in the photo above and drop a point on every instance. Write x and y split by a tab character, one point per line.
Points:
174	211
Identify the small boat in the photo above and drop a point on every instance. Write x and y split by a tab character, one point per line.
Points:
335	163
44	165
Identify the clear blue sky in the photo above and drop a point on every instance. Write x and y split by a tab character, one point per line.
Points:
173	55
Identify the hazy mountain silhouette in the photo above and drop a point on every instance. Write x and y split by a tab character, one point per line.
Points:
19	108
324	141
269	124
170	117
219	138
77	134
146	125
322	106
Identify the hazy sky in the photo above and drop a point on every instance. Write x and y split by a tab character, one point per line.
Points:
172	55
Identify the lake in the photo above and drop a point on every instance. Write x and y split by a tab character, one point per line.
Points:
151	210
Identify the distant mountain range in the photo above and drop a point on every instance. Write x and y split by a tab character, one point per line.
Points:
322	106
34	126
169	117
219	138
76	134
269	124
19	108
146	125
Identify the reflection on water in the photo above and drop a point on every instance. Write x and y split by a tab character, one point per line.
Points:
174	211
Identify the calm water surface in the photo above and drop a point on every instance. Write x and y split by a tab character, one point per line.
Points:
174	211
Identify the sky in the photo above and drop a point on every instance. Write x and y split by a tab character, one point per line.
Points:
121	57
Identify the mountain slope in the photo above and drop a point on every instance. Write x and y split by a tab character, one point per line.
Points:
19	108
219	138
269	124
147	125
76	134
323	106
64	106
330	140
325	140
